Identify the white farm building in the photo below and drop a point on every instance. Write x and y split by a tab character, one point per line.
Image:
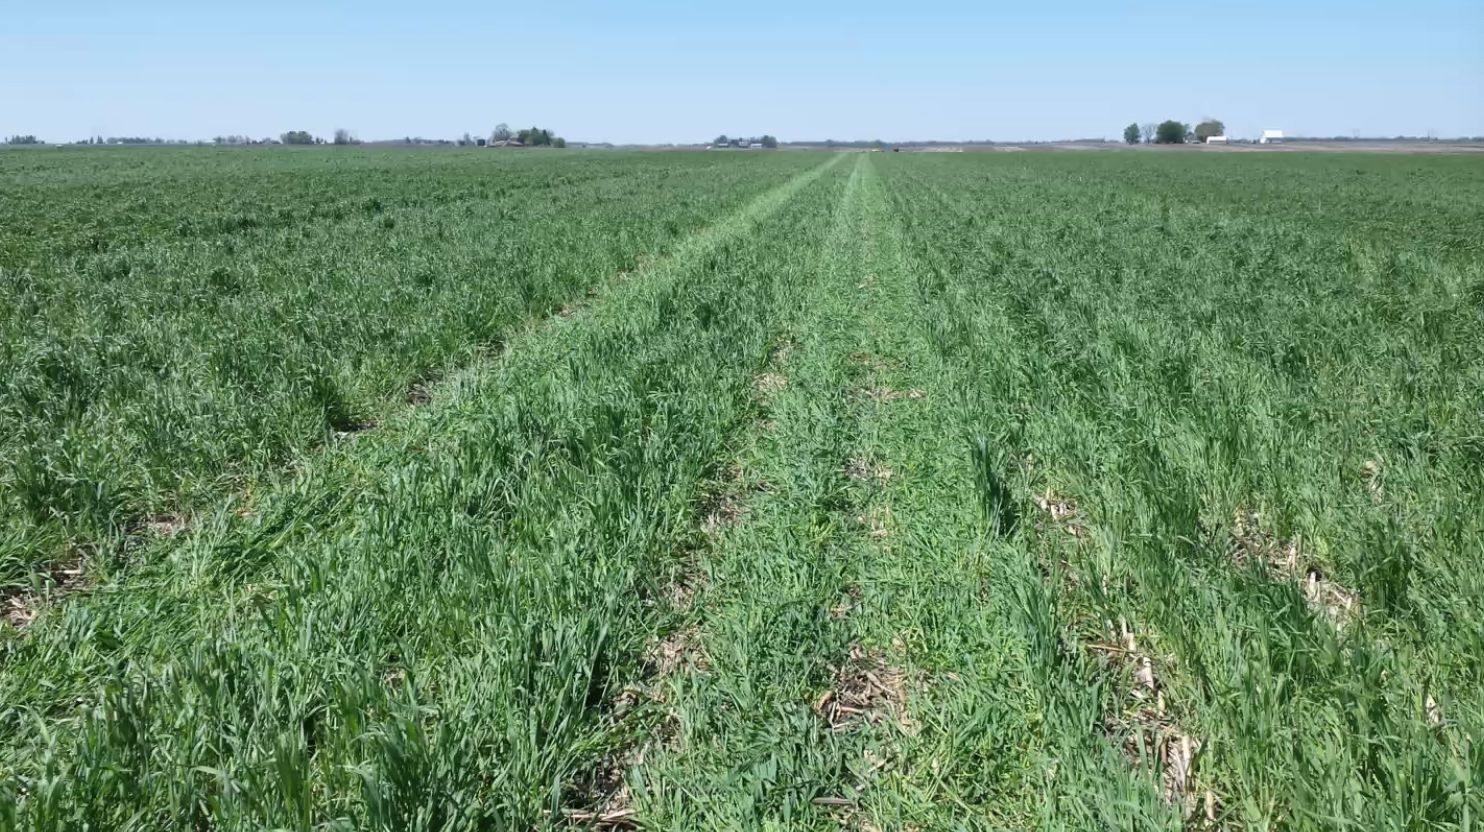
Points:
1271	137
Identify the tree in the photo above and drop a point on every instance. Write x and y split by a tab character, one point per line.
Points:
1169	132
877	144
558	142
501	134
344	137
721	141
1131	134
1208	128
297	137
1146	130
537	137
769	142
23	140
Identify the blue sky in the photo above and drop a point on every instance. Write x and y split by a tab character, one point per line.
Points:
681	72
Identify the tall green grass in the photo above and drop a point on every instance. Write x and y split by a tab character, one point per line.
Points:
427	628
1170	362
177	323
956	442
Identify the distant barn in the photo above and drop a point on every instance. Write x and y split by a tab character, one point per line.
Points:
1271	137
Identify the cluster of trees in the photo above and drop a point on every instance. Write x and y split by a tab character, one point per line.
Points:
1172	132
532	137
238	139
765	140
23	140
540	138
303	137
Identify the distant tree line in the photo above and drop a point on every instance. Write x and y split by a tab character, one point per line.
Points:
248	140
1167	132
873	143
135	140
764	140
99	140
1172	132
1354	138
340	137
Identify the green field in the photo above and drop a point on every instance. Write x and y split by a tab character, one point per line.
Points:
421	490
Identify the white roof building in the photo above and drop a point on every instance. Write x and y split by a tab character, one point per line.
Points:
1216	140
1271	137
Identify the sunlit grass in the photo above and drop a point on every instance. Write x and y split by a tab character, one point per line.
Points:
165	339
897	491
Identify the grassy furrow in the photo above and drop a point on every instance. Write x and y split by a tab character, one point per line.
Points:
1010	713
424	628
738	744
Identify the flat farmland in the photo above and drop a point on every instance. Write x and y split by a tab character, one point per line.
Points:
404	490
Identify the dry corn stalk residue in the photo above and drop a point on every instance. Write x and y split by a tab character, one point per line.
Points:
1338	604
867	689
1145	725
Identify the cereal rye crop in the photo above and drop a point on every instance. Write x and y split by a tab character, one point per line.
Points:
349	489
